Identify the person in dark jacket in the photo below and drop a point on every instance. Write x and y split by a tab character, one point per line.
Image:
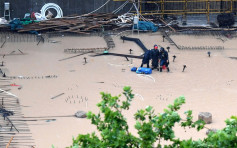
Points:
155	57
164	59
146	58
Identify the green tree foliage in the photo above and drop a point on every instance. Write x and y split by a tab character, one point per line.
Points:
151	127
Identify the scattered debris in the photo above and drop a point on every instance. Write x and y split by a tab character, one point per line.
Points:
19	88
51	76
168	48
12	52
83	50
211	130
167	37
163	36
205	116
174	57
51	41
8	144
147	76
3	43
140	96
109	40
16	37
57	96
80	114
120	55
50	120
5	113
40	38
184	66
75	56
85	60
136	40
166	24
201	47
20	51
115	64
235	58
209	54
223	40
86	100
32	77
8	93
163	98
84	24
126	58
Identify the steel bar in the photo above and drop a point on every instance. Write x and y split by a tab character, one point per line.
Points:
75	56
3	43
57	96
120	55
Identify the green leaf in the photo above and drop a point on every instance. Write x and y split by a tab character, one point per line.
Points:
138	125
148	108
151	127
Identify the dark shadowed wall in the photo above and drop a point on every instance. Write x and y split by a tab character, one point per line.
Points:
69	7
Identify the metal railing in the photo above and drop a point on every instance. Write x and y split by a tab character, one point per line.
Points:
185	7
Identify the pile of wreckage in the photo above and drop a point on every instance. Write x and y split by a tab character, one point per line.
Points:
46	21
83	24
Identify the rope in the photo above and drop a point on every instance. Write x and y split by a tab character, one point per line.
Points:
147	76
99	7
8	93
120	7
140	96
51	6
129	9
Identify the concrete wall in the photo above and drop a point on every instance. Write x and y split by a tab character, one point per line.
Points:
69	7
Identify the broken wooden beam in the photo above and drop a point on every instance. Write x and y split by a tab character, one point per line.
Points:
9	142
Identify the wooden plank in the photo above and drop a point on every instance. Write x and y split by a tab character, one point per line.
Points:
167	25
9	142
73	28
78	24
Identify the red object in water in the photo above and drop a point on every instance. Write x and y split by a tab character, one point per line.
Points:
14	84
163	67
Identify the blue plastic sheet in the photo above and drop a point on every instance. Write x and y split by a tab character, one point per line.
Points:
15	24
134	69
146	26
143	70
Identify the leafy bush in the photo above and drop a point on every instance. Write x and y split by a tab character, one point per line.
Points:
151	127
